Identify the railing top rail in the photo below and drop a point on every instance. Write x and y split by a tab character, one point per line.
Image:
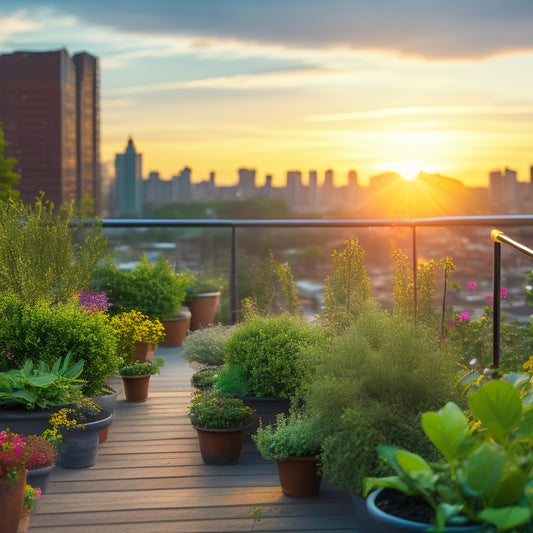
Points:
479	220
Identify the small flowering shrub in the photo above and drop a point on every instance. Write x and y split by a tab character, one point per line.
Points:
93	302
39	452
133	326
145	368
11	456
30	496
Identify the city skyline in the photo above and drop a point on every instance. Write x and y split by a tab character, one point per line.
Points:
303	85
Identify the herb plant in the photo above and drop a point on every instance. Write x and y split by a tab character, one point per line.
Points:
145	368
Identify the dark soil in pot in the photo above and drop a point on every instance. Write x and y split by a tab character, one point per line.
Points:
398	504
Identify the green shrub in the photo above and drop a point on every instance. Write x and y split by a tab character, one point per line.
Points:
291	436
232	380
205	378
270	350
44	332
142	368
153	289
43	257
206	345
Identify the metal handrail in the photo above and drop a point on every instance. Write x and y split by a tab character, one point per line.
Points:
413	223
500	238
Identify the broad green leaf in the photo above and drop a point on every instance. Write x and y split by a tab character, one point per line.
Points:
75	370
410	462
498	406
25	395
525	427
41	381
446	512
484	469
56	367
373	483
389	454
506	517
28	367
511	488
446	429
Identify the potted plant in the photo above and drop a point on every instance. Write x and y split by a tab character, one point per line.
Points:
40	455
155	290
76	429
136	378
12	479
29	394
30	499
138	335
203	299
294	443
268	352
41	332
219	421
484	479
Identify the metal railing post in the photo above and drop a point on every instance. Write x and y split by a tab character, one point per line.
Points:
415	267
496	313
233	275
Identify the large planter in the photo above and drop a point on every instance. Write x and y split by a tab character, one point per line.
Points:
39	477
81	445
144	351
299	476
393	524
136	388
266	409
107	402
12	502
203	309
220	446
176	330
26	422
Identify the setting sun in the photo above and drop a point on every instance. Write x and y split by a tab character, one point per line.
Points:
409	170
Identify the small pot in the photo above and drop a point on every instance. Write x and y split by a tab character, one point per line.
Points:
136	388
299	476
220	446
39	477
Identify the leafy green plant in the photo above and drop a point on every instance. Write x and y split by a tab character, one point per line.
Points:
145	368
42	332
347	288
38	386
232	380
294	435
133	326
42	256
152	289
463	488
270	351
213	410
206	345
204	378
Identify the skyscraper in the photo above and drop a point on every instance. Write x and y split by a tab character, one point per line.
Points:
49	108
128	182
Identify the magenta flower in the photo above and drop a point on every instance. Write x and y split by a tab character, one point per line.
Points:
472	285
503	293
488	297
93	301
451	323
464	316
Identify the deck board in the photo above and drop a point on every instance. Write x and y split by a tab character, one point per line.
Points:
149	477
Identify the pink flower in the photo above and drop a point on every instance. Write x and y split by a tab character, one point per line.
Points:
472	285
503	293
464	316
451	323
488	298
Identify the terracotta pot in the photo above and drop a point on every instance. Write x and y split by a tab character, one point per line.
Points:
220	446
176	330
203	309
107	402
12	501
144	351
39	477
299	476
136	388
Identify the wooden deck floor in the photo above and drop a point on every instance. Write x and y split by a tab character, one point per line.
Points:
149	478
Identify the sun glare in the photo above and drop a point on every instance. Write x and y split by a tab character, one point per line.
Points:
409	170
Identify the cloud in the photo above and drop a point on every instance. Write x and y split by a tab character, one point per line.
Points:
441	29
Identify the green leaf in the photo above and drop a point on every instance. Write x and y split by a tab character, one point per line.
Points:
41	381
525	427
498	406
447	429
506	517
511	488
479	476
25	395
373	483
411	462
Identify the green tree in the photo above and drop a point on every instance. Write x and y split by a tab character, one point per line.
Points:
8	177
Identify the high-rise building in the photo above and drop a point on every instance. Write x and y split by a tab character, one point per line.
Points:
128	182
49	110
246	183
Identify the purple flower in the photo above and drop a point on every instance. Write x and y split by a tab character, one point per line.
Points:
472	285
503	293
464	316
93	301
488	297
